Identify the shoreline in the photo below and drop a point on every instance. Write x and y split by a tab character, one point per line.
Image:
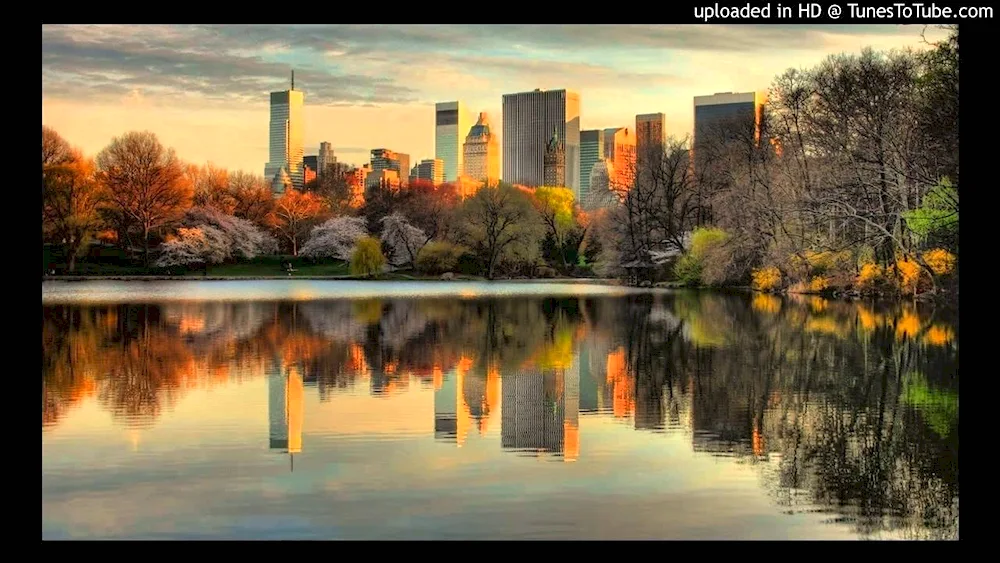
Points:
597	281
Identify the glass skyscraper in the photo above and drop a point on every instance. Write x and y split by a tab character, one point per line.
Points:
286	136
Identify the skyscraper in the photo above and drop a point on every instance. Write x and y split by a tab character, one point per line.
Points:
619	148
481	152
285	137
528	121
718	109
650	134
555	161
325	158
591	152
385	159
451	121
430	170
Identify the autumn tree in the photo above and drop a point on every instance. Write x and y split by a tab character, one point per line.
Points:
211	187
145	183
555	208
333	186
71	197
252	197
293	215
499	220
55	149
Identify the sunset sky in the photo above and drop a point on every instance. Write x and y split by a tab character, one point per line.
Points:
204	89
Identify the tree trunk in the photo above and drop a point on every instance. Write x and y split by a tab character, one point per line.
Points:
71	261
295	247
145	246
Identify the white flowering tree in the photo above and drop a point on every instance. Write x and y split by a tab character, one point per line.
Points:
335	238
195	245
403	240
243	239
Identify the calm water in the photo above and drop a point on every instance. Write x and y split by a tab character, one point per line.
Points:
339	410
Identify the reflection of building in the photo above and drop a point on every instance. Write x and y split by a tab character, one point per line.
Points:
541	412
446	409
285	411
465	401
528	120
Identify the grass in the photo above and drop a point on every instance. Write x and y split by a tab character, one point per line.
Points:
274	266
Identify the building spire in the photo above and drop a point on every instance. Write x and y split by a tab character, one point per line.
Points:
293	79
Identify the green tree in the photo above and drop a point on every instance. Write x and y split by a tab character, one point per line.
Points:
367	259
936	220
499	223
555	208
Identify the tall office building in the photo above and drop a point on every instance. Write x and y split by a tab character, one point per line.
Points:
555	162
619	148
481	152
325	158
285	137
528	121
385	159
726	108
650	134
429	170
451	121
591	152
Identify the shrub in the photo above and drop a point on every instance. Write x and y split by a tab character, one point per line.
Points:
367	258
818	284
766	279
908	275
706	261
439	257
940	261
869	278
688	270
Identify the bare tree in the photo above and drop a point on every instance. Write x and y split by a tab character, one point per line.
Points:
145	183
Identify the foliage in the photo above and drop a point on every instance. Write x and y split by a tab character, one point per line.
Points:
145	184
367	259
293	215
335	238
870	278
706	256
500	224
766	279
402	239
243	239
195	245
908	275
937	217
818	284
940	261
439	257
71	197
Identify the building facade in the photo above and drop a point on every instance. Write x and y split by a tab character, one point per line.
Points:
325	158
286	134
451	121
430	170
555	162
650	134
726	108
619	148
385	159
481	152
591	152
528	121
384	179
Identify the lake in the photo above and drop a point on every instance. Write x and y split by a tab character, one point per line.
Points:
394	410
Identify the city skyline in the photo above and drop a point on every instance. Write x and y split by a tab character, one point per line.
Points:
366	88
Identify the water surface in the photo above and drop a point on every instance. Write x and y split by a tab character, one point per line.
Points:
340	410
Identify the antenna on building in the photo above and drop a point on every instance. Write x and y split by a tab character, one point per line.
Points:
293	79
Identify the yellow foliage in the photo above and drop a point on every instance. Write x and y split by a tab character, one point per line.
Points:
821	261
826	325
869	319
765	303
818	283
908	325
869	276
766	279
908	272
940	261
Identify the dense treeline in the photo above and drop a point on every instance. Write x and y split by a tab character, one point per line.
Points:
847	180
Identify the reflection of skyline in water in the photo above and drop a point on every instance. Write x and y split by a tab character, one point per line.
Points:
826	397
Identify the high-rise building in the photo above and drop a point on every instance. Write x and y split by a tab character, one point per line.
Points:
385	159
726	108
619	148
481	152
285	137
555	161
312	161
591	152
451	121
602	192
650	134
528	121
430	170
325	158
386	178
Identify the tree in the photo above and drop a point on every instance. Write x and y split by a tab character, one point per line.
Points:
252	196
403	239
241	238
293	215
336	238
333	186
145	183
430	208
55	149
211	187
367	258
70	200
555	207
196	245
497	220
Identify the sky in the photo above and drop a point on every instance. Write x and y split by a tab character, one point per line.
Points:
204	89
